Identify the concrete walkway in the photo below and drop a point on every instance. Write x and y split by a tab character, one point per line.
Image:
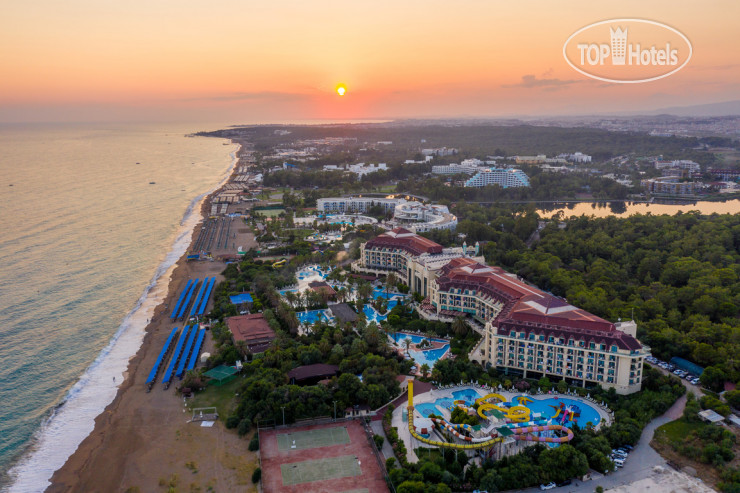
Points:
642	460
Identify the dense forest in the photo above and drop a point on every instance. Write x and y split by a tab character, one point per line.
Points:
678	276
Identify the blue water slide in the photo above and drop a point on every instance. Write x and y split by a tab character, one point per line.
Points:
175	356
162	353
186	353
186	303
202	289
206	296
196	349
179	300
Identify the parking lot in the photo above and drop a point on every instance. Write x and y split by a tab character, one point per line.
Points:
689	377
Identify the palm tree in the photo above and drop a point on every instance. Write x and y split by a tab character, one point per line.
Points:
364	291
342	295
407	344
460	327
424	370
390	280
290	297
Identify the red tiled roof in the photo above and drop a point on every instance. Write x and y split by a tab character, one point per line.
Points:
252	329
319	286
527	308
403	239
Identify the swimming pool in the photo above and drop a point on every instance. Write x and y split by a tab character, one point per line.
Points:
469	395
312	316
543	406
380	293
416	339
282	292
428	357
427	408
372	315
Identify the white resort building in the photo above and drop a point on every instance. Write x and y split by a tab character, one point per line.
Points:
504	177
526	331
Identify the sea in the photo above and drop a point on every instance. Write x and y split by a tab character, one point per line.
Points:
93	218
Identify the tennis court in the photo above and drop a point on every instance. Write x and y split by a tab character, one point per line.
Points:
320	470
322	437
329	456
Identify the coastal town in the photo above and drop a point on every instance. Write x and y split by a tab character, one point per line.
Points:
368	341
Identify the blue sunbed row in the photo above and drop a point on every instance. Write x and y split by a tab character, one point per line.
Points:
186	353
179	300
196	349
194	309
206	296
186	303
162	353
175	357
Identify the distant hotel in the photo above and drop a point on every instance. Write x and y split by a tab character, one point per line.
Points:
669	185
505	178
526	331
409	214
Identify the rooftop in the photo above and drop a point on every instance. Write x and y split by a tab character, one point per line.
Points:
528	309
319	370
343	312
403	239
253	329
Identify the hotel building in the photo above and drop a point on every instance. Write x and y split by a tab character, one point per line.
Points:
526	332
506	178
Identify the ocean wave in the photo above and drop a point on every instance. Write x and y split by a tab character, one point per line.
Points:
73	418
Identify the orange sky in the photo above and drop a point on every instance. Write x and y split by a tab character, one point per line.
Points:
244	61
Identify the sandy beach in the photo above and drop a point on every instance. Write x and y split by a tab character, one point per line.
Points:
142	441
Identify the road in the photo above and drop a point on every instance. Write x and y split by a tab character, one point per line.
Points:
641	460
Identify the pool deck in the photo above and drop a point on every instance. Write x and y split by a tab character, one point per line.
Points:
446	392
401	349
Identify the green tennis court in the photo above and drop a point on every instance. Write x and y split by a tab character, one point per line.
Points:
322	437
320	470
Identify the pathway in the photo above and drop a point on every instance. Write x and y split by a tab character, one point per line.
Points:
641	461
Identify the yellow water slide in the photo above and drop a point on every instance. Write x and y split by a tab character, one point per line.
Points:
516	414
459	446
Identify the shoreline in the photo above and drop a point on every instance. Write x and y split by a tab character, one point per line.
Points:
164	284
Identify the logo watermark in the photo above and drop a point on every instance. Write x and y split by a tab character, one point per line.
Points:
627	51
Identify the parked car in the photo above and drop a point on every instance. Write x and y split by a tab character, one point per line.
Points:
695	381
564	483
547	486
628	447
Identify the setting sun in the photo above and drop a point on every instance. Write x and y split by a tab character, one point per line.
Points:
341	89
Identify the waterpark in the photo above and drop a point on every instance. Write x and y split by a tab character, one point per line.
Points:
506	420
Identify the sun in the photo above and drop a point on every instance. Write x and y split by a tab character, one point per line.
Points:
341	89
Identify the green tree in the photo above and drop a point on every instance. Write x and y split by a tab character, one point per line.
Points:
460	327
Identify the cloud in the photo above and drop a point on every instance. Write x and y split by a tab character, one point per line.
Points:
531	81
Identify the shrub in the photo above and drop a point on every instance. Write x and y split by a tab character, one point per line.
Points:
257	475
254	443
379	441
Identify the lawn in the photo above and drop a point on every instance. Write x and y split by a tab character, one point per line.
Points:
676	431
221	397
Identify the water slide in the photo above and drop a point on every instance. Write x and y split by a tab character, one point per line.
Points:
519	434
486	442
516	414
461	405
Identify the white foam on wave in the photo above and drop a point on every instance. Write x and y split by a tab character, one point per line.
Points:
74	417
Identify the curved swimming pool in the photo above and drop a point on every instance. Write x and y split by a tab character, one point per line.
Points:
546	407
